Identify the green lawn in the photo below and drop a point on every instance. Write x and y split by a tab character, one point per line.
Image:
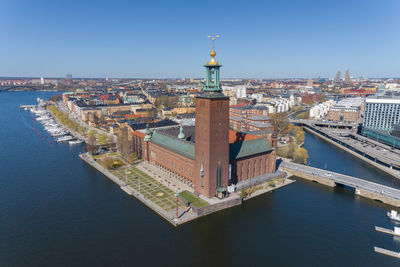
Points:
149	187
193	199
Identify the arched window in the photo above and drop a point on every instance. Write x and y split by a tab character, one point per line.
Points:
248	169
219	176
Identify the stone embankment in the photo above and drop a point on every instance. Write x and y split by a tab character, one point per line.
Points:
191	212
371	162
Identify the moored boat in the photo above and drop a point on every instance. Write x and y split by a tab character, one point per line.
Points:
64	138
394	215
75	142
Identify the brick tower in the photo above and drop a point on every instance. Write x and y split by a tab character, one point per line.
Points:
211	168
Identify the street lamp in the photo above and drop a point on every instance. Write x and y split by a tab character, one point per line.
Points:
126	177
176	195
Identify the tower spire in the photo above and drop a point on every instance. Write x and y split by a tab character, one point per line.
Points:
212	68
212	62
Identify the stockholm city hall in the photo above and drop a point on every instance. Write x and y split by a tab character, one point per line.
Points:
209	156
211	134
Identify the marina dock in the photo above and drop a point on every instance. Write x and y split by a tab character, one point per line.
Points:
396	232
387	252
26	107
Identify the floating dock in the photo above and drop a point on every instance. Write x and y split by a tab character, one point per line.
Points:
387	252
27	106
395	232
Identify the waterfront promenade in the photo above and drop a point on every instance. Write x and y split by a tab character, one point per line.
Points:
362	187
147	190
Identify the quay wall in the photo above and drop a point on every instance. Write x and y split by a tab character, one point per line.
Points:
216	207
287	181
371	162
377	196
313	178
128	190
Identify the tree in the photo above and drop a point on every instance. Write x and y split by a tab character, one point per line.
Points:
291	129
301	155
299	135
280	123
166	101
131	157
292	149
56	98
124	145
92	134
102	139
111	163
305	115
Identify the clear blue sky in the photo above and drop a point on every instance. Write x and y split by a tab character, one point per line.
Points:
260	39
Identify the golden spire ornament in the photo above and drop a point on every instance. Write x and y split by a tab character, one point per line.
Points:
212	62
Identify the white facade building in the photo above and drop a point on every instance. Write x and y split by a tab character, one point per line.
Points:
257	97
321	110
240	90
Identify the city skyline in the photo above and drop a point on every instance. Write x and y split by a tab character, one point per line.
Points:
142	40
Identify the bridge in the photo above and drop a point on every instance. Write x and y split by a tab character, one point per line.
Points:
362	187
377	154
311	123
4	89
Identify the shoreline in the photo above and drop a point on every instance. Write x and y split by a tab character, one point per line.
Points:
187	214
366	160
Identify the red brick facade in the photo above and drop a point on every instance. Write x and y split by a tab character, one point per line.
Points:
253	166
212	144
174	162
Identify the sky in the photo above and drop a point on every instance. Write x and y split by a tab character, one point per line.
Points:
168	39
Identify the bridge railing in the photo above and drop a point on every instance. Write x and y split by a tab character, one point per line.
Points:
346	180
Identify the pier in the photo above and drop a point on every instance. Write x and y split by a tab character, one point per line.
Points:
396	231
27	106
385	194
387	252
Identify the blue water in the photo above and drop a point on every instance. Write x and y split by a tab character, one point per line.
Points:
57	211
327	156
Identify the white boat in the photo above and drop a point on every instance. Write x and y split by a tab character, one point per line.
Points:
56	134
43	118
64	138
75	142
394	215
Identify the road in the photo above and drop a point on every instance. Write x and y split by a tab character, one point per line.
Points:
345	180
71	115
366	147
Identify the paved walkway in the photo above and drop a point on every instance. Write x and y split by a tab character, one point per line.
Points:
150	191
149	187
164	177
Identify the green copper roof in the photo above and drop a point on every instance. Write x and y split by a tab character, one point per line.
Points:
179	146
247	148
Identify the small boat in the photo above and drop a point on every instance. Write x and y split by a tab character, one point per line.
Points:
57	134
393	215
75	142
64	138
